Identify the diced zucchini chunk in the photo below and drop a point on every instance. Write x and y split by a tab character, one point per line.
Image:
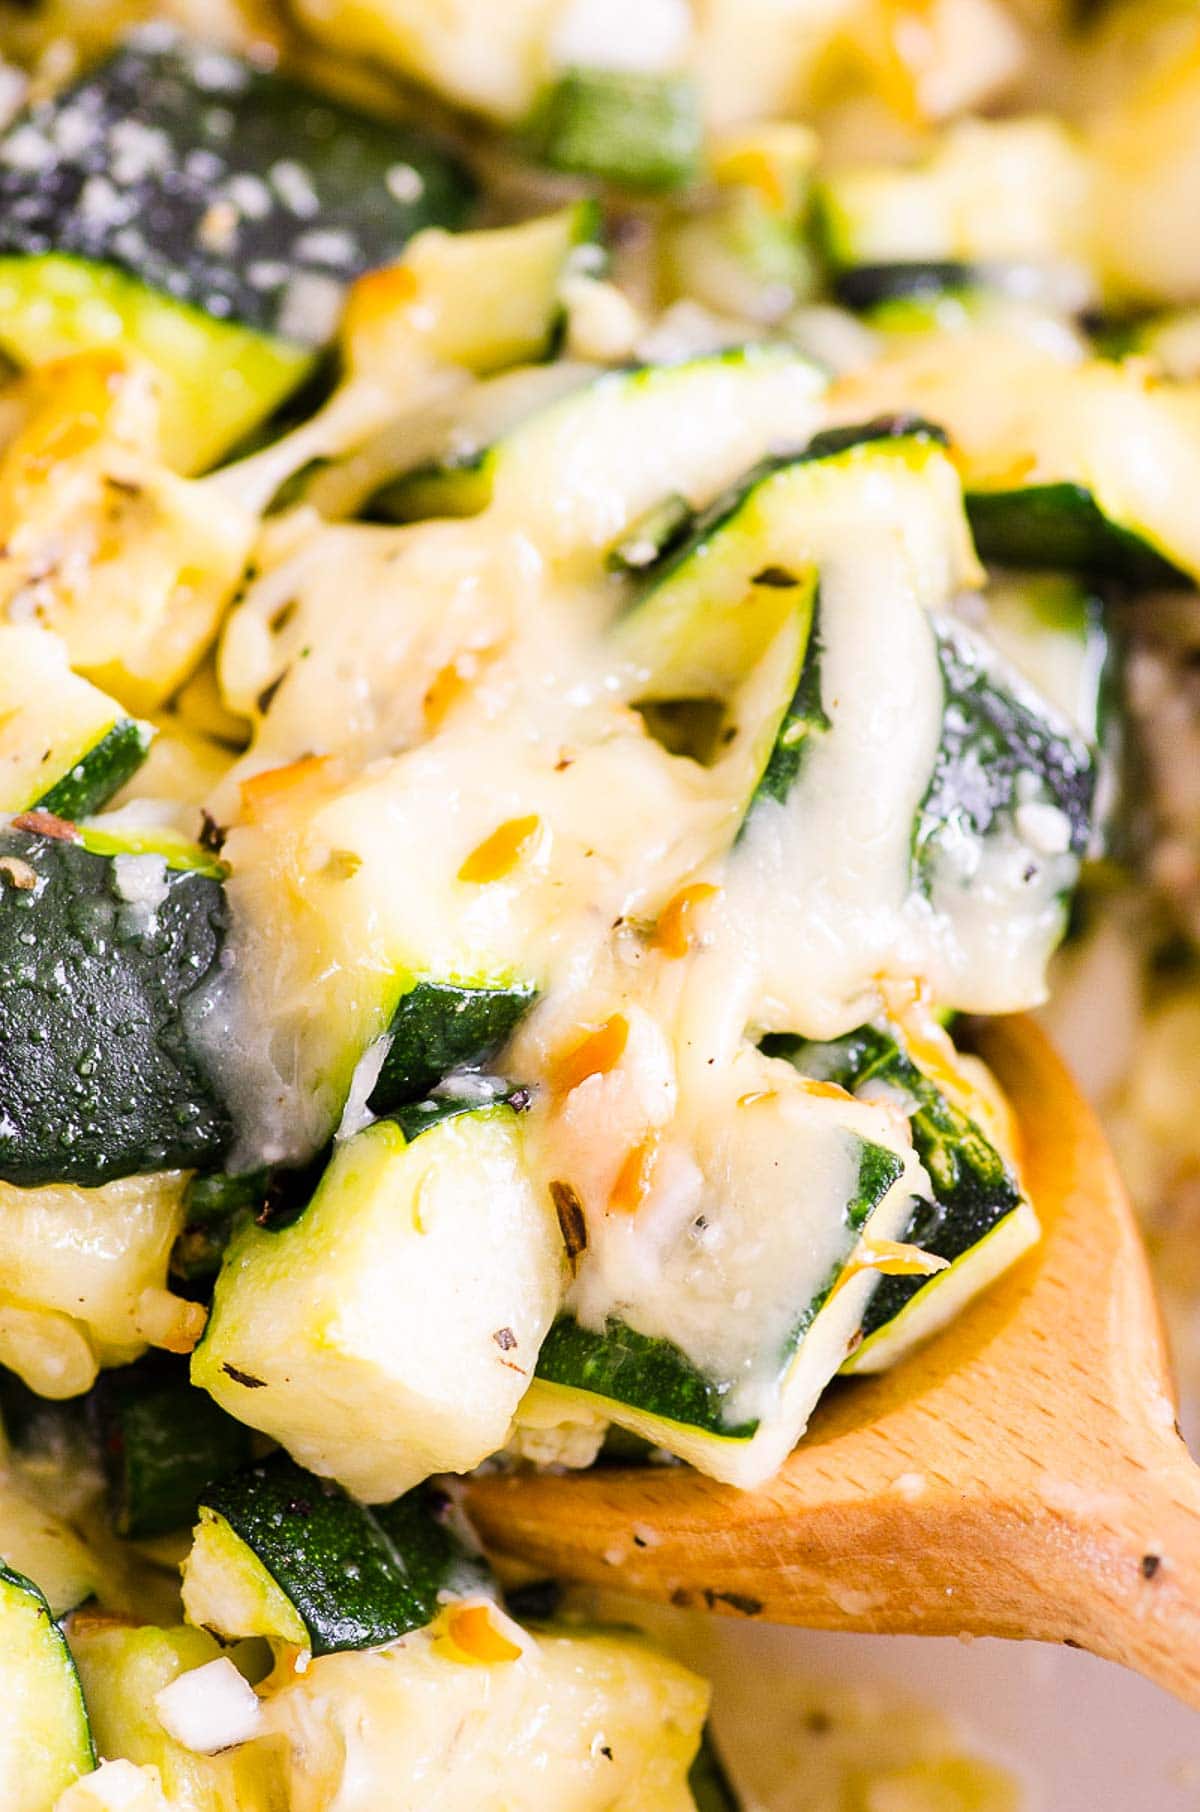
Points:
1069	463
64	746
1013	190
123	1669
578	475
864	775
479	56
1051	627
79	1266
282	1554
45	1743
41	1546
718	1347
976	1217
363	1336
484	300
637	130
207	215
594	1722
98	1072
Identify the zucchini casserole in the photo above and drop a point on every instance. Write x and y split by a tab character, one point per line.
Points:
582	588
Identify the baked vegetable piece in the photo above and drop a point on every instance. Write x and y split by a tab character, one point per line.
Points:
1001	191
45	1742
389	1330
718	1348
161	1443
282	1554
64	745
553	1720
105	949
636	130
207	215
1068	463
976	1217
977	766
621	443
85	1273
123	1668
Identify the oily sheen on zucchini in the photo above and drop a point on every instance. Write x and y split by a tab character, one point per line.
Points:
105	952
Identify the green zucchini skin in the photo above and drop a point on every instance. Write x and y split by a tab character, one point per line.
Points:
994	733
440	1026
804	719
161	1443
102	772
357	1576
708	1779
99	1078
652	1374
637	131
864	286
141	200
1062	526
52	1736
973	1188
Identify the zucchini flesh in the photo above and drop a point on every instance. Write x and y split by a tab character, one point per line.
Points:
123	1669
387	1332
1051	627
45	1741
65	746
583	1721
282	1554
161	1442
210	214
638	131
580	472
996	789
977	1218
98	1073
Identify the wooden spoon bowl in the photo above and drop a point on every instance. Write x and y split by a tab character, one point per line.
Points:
1021	1475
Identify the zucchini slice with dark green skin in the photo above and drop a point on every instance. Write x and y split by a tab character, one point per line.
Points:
218	210
101	773
442	1026
708	1779
1062	526
1001	748
65	746
617	1370
637	131
48	1742
281	1553
161	1442
99	1073
865	286
978	1219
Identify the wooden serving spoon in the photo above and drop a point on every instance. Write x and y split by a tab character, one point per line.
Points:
1020	1475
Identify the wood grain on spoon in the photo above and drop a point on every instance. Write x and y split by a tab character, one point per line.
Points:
1020	1475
